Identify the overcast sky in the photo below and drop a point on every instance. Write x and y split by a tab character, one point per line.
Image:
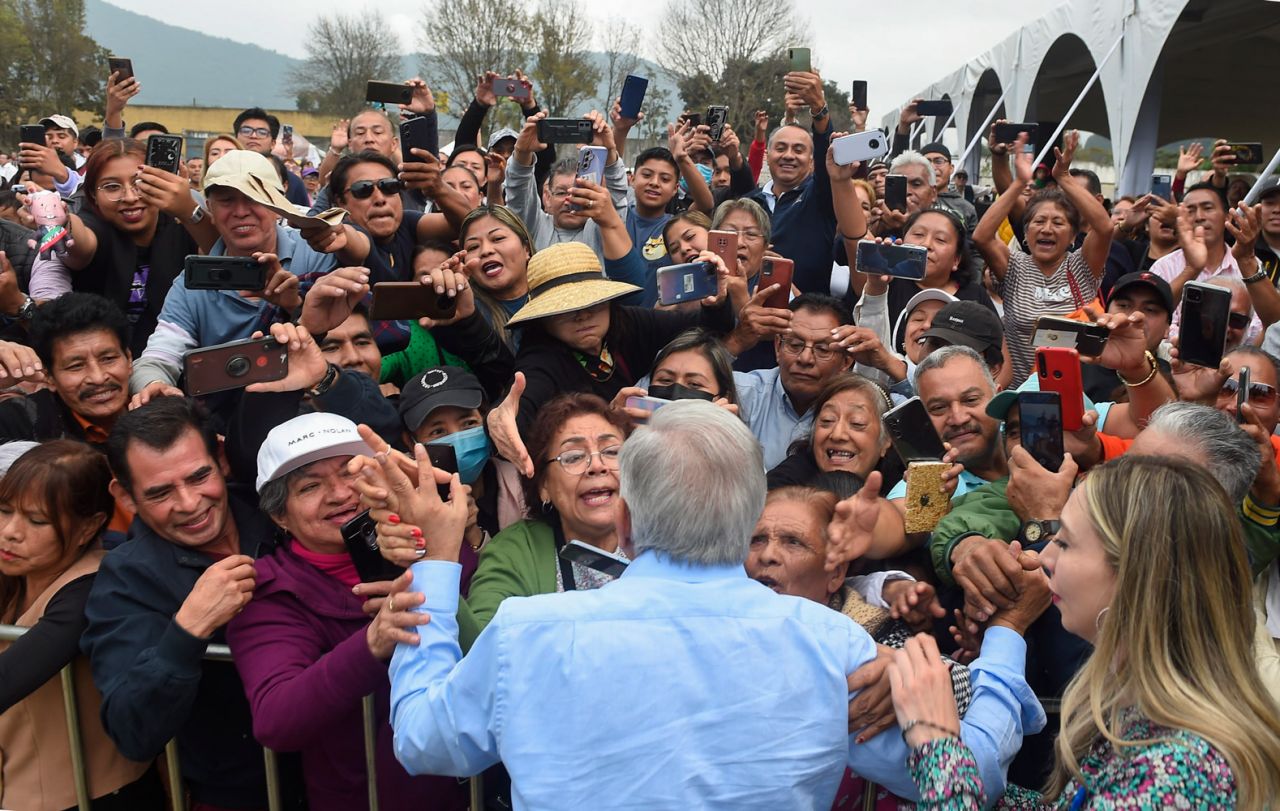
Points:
898	46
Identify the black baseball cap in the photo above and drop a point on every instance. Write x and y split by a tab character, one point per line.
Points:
436	387
1148	279
1269	187
936	149
967	323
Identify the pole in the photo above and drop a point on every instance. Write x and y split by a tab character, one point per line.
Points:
1049	142
1252	196
938	133
73	736
977	136
370	749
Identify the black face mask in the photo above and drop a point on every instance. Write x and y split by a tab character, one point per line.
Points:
675	391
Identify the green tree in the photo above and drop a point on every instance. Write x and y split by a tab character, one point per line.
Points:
657	113
47	63
343	53
564	73
461	39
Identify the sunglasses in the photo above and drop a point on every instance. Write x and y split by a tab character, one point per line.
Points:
1238	321
1259	393
363	189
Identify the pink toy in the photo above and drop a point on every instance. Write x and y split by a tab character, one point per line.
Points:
50	214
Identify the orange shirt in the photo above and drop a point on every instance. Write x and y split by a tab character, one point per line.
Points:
123	516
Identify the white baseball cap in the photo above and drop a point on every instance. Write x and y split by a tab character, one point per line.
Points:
928	294
306	439
62	122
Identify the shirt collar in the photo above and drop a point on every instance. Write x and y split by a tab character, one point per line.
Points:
92	432
652	563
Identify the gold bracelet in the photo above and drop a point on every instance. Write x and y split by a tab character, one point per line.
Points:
1155	367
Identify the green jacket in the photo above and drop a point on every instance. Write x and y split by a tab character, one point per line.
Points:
520	561
986	512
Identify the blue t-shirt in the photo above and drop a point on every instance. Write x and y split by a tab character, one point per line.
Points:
646	235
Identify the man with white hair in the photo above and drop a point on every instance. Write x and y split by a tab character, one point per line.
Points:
684	684
922	192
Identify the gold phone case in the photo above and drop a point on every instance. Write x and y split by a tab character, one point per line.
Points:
927	502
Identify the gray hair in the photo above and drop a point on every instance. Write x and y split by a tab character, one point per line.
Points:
273	496
914	158
1231	455
751	207
1235	286
782	127
943	355
10	451
693	479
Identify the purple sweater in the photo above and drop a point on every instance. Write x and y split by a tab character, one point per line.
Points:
300	648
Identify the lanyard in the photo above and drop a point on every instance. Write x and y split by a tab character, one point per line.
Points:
566	567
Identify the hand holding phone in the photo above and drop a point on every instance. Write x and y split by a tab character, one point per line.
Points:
1040	427
121	66
234	365
1202	335
388	92
912	433
164	152
632	96
895	192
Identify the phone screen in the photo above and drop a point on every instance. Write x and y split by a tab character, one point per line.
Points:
899	261
1040	427
912	433
895	192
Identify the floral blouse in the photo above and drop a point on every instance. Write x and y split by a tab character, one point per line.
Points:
1177	770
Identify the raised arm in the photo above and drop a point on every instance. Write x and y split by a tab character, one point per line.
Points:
986	237
1092	213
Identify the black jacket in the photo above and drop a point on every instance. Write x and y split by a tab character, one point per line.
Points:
154	681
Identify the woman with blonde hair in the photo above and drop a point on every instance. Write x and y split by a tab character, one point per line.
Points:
217	146
1169	711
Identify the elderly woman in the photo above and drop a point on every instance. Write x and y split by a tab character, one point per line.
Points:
304	645
789	553
54	505
1170	710
847	435
1054	278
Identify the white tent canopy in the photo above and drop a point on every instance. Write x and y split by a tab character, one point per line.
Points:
1183	69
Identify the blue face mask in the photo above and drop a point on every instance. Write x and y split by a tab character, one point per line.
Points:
473	449
703	170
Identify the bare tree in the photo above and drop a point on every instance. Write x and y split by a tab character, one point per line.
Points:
742	30
620	41
564	72
461	39
343	53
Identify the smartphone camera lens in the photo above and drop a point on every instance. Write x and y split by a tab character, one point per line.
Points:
238	366
1193	295
219	275
874	143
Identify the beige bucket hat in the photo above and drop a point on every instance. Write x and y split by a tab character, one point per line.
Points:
564	278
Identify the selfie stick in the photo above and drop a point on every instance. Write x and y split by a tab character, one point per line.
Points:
1079	99
1252	196
977	136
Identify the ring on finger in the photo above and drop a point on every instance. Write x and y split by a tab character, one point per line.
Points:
391	603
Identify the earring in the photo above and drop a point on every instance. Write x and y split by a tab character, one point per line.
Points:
1097	623
546	506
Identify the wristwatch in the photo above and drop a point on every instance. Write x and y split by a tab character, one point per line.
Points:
326	382
28	309
1035	531
197	214
821	113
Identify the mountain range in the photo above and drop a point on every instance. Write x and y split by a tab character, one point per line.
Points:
180	67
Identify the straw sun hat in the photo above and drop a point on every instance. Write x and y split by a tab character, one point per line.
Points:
564	278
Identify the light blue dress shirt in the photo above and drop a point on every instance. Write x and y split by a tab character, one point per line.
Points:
675	686
768	412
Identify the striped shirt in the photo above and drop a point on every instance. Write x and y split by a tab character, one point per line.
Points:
1029	294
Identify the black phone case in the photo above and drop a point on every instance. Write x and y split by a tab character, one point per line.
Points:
935	107
895	192
414	135
717	117
388	93
565	131
1008	133
912	433
858	96
1202	336
224	273
360	536
164	152
31	134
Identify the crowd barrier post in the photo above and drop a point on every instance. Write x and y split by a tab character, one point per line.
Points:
370	750
177	793
72	710
1049	142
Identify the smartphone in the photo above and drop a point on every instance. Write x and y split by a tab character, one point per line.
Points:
647	404
858	95
694	119
1040	425
1058	370
936	107
724	244
360	534
717	117
895	192
118	64
591	161
234	365
927	502
442	457
1008	132
594	558
800	60
31	134
510	88
689	282
405	301
912	433
777	270
632	96
388	92
565	131
224	273
1242	393
164	152
286	132
1162	187
1202	336
1087	339
899	261
1246	152
415	133
860	146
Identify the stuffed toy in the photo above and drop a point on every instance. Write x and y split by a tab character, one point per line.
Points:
50	214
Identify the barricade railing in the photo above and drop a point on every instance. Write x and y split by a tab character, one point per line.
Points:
177	795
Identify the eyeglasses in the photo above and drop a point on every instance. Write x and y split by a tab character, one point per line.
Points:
363	189
113	192
261	132
576	461
751	234
1259	393
939	161
559	194
1238	321
796	347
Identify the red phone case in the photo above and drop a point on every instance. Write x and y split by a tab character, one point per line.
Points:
777	271
1058	369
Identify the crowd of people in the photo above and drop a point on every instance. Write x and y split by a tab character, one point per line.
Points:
388	519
